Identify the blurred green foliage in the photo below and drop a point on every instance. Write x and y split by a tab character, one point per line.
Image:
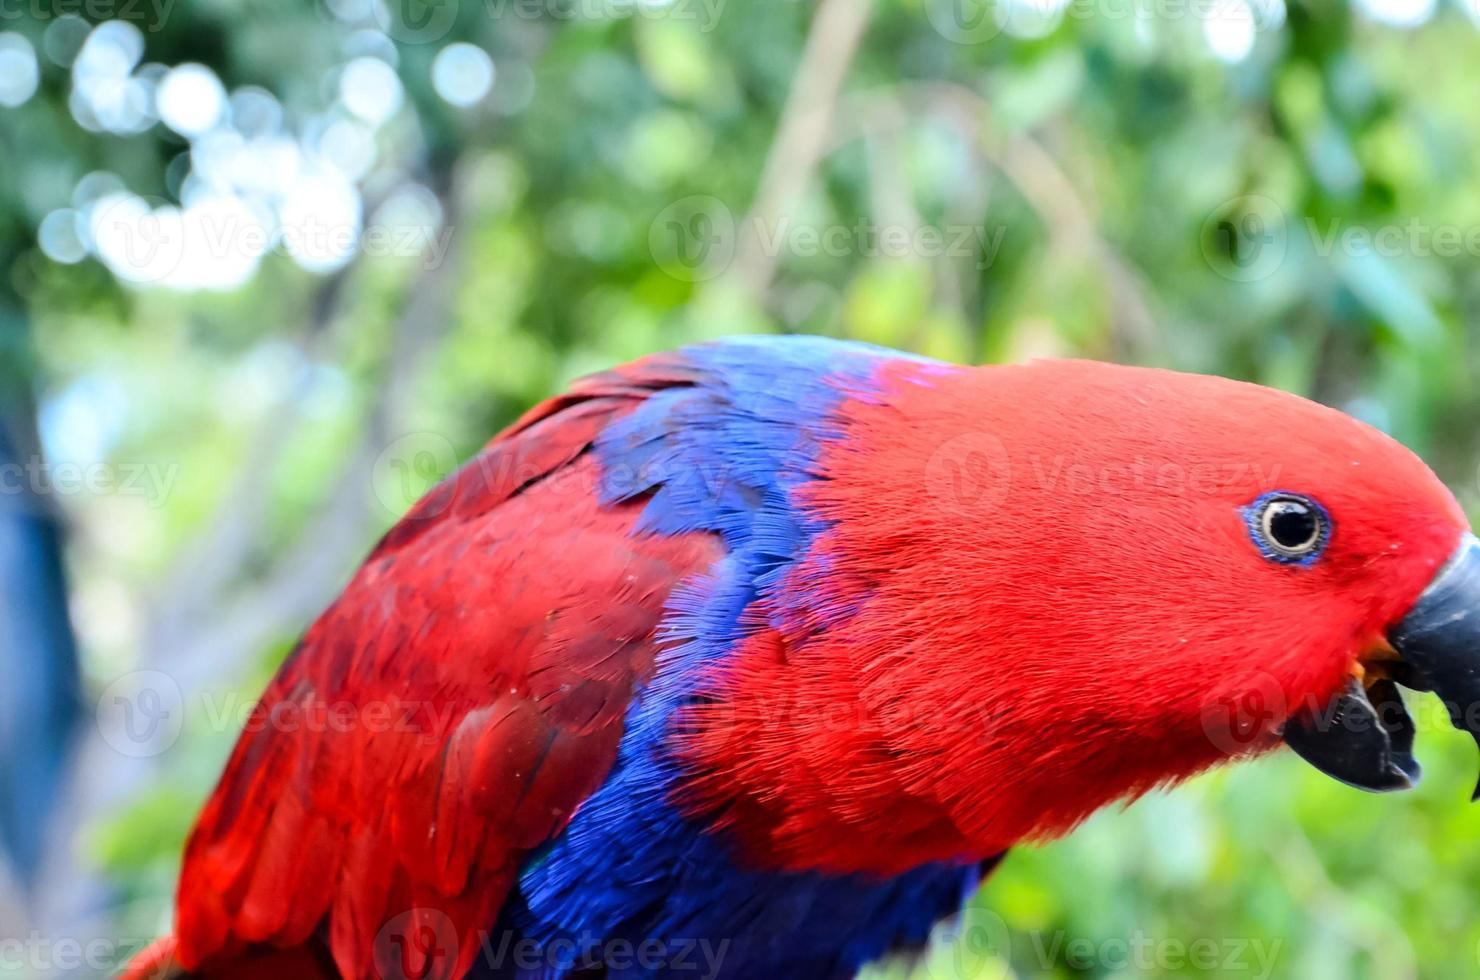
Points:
1102	185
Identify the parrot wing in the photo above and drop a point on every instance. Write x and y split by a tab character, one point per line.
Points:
444	716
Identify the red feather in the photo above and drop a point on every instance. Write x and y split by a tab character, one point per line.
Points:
445	715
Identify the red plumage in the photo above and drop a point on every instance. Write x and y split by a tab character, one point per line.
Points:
371	780
1056	588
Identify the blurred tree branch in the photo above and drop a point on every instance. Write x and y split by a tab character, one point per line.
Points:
1071	222
801	138
220	624
210	562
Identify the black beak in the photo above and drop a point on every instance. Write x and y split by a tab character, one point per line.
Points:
1364	737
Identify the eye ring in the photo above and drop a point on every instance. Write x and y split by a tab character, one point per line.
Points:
1289	528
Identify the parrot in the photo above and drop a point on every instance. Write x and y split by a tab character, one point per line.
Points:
755	658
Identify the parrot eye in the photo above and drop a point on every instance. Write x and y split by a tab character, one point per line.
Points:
1289	528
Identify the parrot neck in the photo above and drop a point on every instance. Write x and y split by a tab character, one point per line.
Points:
809	761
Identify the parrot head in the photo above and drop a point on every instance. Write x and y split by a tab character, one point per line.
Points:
1068	583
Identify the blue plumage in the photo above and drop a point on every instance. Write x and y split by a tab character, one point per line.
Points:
723	456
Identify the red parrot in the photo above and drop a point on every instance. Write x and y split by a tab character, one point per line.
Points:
752	659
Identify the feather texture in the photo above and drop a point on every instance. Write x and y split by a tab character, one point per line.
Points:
449	712
756	656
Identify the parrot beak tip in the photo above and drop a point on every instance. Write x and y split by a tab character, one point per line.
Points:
1439	640
1364	736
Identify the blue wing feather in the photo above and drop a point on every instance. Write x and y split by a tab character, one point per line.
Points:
723	455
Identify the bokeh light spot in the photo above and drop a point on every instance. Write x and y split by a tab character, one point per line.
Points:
370	89
1230	30
19	73
1399	13
462	74
64	38
321	222
191	99
60	237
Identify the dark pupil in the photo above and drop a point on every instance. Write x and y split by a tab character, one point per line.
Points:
1292	525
